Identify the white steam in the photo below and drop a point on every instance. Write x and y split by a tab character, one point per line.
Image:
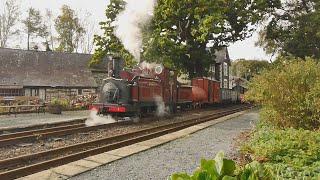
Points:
148	68
129	22
95	120
162	110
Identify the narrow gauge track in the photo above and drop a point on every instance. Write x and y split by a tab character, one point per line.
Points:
33	135
61	130
41	126
28	164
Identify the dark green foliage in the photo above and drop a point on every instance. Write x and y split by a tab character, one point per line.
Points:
180	30
289	94
292	154
294	29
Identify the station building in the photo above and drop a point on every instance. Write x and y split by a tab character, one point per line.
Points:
39	75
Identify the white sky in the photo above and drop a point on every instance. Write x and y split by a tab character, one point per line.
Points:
242	49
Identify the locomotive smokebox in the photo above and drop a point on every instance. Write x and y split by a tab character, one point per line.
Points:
116	67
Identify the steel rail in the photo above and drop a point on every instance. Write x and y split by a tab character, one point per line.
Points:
116	142
29	136
40	134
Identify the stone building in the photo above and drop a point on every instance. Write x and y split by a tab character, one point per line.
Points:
37	75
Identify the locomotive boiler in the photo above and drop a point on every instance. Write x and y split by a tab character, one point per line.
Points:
137	91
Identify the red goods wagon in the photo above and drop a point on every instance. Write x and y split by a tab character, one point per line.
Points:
184	100
210	87
199	96
216	91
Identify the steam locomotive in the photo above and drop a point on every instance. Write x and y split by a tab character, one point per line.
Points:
138	91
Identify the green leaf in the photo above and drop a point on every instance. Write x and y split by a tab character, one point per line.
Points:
208	165
219	162
229	178
228	167
179	177
246	174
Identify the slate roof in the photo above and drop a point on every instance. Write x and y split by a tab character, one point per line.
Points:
36	68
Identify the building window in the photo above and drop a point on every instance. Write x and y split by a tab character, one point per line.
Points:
225	83
11	92
225	69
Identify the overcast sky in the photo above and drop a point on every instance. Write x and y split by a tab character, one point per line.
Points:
242	49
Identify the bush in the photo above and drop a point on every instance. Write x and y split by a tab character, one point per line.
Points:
289	94
291	153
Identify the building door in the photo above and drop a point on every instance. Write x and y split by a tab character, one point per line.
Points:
34	91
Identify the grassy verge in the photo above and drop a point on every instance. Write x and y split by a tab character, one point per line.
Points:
290	153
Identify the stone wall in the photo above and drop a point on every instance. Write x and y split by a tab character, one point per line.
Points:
99	75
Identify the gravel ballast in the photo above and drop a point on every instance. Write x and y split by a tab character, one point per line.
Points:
182	155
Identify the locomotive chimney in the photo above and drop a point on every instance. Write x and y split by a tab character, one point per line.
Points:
116	67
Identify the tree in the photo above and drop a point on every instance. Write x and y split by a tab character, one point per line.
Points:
86	41
48	18
248	68
182	30
34	26
294	29
108	43
8	19
69	29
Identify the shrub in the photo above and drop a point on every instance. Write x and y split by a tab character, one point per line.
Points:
289	94
291	153
63	102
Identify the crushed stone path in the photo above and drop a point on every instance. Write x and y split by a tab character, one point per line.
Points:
181	155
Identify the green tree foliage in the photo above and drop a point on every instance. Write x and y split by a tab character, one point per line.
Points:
108	43
289	94
294	29
34	26
69	29
248	68
182	29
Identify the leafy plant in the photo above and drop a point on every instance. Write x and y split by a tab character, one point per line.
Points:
291	153
224	169
63	102
289	94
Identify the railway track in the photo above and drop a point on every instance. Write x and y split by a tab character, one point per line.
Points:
62	129
32	163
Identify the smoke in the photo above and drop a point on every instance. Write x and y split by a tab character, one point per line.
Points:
129	22
149	67
97	120
162	110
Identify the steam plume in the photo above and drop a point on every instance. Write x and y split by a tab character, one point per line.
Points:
97	120
136	14
162	110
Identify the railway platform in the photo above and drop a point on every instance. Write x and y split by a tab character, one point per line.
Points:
8	122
